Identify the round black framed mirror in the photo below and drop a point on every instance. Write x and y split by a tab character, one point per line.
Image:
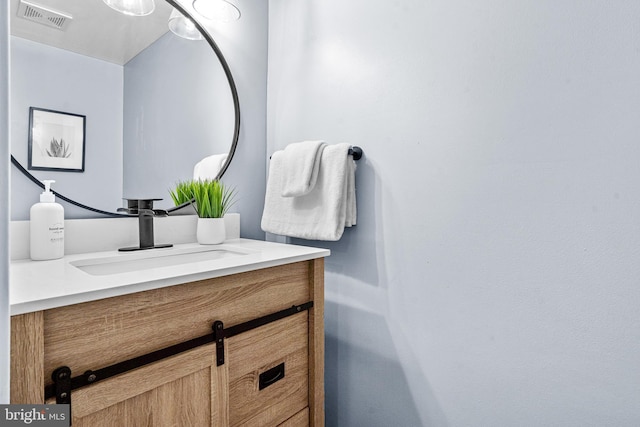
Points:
149	142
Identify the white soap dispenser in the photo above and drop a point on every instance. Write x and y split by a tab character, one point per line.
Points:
46	226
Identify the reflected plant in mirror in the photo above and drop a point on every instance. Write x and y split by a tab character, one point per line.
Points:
182	194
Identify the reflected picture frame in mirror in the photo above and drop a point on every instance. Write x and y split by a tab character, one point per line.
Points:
56	140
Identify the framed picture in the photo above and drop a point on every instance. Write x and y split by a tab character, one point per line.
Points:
56	140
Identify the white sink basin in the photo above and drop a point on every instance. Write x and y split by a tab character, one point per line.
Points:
152	259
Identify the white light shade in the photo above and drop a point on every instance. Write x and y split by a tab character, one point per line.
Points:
218	10
132	7
182	26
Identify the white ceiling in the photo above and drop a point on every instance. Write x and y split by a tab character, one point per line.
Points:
96	30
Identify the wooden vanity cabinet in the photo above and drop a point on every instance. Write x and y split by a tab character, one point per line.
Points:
284	356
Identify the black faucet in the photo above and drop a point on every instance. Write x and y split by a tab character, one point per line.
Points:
143	208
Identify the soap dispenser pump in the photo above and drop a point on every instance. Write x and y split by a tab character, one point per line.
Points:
46	226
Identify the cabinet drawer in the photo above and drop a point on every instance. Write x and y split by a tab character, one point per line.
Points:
277	352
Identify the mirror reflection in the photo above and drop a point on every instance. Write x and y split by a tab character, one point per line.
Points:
155	103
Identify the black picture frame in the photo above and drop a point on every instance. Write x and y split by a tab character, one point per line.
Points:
56	140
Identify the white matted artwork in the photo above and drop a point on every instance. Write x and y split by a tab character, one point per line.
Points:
56	140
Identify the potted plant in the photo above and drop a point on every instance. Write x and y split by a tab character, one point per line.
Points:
211	200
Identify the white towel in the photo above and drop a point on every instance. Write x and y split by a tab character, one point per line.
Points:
301	164
209	167
352	212
325	211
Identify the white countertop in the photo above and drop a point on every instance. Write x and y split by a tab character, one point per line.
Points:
41	285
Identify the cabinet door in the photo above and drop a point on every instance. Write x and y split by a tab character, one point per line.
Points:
184	390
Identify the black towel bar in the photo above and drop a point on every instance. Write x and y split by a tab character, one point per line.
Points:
354	151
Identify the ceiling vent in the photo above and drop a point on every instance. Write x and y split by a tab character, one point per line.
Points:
43	15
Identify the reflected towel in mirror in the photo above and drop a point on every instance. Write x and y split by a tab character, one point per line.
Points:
209	167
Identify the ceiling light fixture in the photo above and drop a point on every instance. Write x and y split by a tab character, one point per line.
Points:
182	26
217	10
132	7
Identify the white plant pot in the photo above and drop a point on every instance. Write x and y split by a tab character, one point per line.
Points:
210	231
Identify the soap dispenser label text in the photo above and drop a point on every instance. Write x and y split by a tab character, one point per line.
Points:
56	233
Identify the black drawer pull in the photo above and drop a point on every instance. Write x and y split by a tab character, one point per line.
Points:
271	376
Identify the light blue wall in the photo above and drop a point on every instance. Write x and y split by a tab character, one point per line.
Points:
56	79
4	204
177	110
492	279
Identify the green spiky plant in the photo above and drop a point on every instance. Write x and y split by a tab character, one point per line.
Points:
210	198
182	194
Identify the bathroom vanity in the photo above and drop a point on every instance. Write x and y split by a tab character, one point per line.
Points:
193	337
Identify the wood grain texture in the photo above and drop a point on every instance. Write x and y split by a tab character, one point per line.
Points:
27	358
173	392
316	343
96	334
122	387
258	350
172	404
262	346
250	407
301	419
112	416
220	393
